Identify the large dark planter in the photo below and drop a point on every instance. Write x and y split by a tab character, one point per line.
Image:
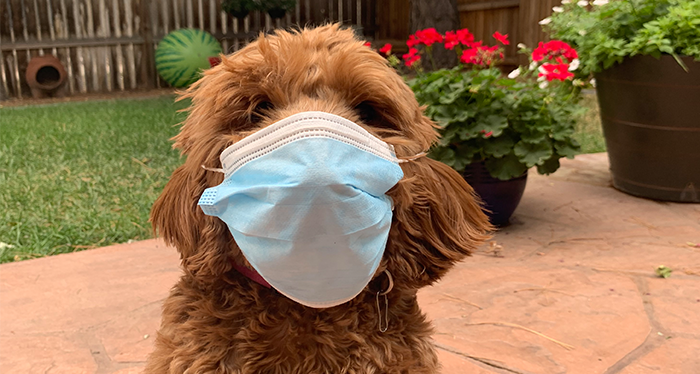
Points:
500	197
649	109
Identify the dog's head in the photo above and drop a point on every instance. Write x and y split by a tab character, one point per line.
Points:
437	219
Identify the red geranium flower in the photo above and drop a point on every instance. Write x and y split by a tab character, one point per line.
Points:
465	37
411	52
501	38
451	40
454	38
412	41
368	44
480	54
469	55
556	71
411	57
412	60
539	52
553	50
429	36
559	48
385	50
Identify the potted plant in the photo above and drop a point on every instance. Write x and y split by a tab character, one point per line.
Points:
277	8
495	127
239	8
644	56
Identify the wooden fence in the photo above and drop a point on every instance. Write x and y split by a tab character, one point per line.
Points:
517	18
108	45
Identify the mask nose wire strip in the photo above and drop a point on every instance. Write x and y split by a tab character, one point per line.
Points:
401	161
412	158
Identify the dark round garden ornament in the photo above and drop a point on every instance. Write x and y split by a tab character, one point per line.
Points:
500	197
45	74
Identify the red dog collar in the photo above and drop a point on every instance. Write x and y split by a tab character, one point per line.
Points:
252	275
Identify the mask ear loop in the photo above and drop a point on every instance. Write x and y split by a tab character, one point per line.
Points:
216	170
385	326
412	158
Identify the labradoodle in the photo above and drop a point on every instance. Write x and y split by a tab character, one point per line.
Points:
222	317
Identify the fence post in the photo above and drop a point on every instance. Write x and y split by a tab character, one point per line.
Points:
147	58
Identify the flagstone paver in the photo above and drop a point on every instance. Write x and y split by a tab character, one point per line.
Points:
568	287
86	312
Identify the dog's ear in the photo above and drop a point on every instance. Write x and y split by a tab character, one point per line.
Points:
205	244
175	214
206	247
438	221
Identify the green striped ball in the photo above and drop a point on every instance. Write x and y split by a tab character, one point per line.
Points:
183	54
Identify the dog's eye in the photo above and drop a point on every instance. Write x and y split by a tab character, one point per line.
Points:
368	114
260	111
374	115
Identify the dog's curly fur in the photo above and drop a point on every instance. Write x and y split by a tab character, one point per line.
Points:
218	321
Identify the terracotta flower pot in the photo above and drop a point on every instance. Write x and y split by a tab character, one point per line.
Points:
500	197
649	111
45	74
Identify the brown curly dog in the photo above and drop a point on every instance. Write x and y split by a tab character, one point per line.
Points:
218	320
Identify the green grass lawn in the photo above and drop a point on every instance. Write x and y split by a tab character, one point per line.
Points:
589	132
82	175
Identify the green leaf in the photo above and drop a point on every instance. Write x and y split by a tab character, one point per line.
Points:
455	92
460	164
467	132
464	114
499	146
680	62
533	153
532	135
493	123
448	114
568	149
444	155
449	134
442	114
663	271
506	82
666	49
504	168
549	166
465	153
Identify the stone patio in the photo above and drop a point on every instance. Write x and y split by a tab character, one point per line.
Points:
569	287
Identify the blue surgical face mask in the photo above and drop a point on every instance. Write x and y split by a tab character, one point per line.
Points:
305	199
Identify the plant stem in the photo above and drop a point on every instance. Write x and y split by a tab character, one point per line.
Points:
429	50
